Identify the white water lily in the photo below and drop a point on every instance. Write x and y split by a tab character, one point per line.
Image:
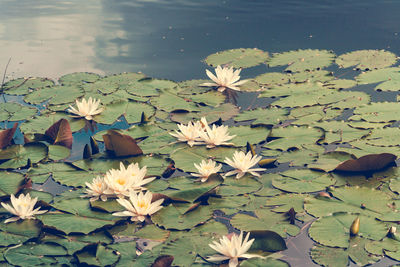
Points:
97	189
232	249
206	168
243	163
86	109
22	207
139	206
225	77
124	180
215	135
188	133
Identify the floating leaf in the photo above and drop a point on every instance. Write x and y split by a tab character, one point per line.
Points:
60	133
169	102
389	78
357	200
121	144
268	116
7	135
23	86
245	134
171	217
334	230
293	136
300	60
223	112
264	220
55	95
11	111
367	59
371	162
18	155
302	181
238	58
78	78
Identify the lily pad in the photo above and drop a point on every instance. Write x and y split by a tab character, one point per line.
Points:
367	59
23	86
300	60
238	58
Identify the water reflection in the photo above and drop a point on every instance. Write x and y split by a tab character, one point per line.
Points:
168	39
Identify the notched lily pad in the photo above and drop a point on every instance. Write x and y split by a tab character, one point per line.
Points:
300	60
238	58
367	59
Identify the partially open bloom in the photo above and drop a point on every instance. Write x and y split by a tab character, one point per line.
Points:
97	189
124	180
232	249
22	207
242	164
188	133
206	168
215	135
86	109
225	78
138	206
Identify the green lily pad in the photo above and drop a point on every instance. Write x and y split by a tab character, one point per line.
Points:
34	254
78	78
265	220
171	217
388	78
224	111
10	182
238	58
23	86
40	124
367	59
169	102
18	232
60	172
302	181
252	135
18	155
293	136
300	60
334	230
357	200
185	157
55	95
261	116
15	112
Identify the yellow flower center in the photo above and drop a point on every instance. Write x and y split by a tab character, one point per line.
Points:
121	181
142	204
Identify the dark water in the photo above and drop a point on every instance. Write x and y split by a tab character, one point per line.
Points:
168	38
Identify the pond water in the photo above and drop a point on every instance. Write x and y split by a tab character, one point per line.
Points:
169	40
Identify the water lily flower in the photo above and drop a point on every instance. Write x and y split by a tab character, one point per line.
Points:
124	180
215	135
86	109
139	206
206	168
232	249
242	164
97	189
225	77
188	133
22	207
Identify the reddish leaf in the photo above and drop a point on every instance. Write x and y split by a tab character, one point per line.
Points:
163	261
121	144
371	162
7	135
60	133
